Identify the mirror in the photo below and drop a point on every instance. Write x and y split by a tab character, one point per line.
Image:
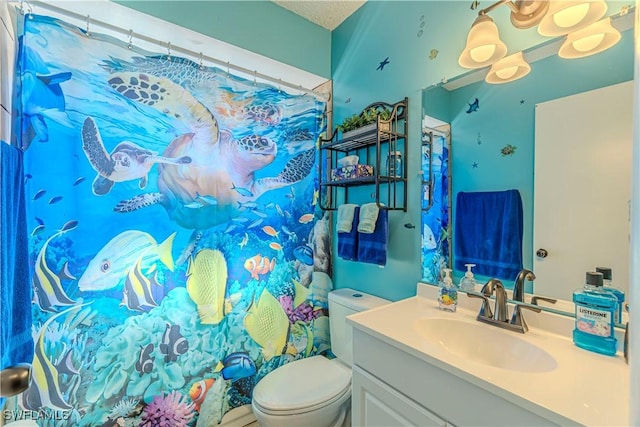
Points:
493	134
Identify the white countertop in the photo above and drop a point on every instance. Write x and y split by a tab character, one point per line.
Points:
586	388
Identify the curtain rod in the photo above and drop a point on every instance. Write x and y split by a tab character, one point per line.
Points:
167	45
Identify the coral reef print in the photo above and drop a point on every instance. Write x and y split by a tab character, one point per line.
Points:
435	207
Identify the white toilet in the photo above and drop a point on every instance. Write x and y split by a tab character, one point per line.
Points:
316	391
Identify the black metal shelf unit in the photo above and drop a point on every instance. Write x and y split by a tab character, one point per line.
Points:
370	142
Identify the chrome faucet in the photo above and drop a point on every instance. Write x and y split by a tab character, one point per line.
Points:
518	286
500	313
500	309
499	317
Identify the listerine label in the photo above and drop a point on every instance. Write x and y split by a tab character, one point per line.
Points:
593	321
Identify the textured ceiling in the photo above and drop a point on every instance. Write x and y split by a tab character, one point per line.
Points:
328	14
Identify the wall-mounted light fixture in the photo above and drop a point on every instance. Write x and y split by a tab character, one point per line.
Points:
554	18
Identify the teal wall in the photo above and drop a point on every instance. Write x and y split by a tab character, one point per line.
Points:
392	29
258	26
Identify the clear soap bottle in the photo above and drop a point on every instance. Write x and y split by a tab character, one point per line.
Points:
448	294
468	283
608	286
595	315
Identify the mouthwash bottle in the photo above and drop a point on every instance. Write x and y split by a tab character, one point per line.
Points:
608	286
468	283
448	294
596	309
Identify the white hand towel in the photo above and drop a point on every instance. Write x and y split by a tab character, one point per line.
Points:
345	217
368	217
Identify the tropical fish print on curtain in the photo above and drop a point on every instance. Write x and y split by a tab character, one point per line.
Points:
435	207
178	253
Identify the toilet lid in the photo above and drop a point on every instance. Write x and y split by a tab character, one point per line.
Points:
302	384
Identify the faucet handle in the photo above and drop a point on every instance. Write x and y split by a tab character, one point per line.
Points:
518	319
536	298
485	311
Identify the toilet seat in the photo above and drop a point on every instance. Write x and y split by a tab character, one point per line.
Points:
303	386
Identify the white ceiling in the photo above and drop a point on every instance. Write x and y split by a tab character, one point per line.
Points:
326	13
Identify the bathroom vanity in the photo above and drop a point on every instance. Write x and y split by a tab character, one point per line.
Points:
416	365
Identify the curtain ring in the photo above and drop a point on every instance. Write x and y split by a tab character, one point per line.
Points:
255	74
88	33
130	45
228	73
279	85
200	66
169	51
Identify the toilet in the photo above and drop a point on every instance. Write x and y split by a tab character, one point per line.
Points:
315	391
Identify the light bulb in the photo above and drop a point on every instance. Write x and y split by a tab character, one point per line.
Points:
482	53
571	16
507	73
588	43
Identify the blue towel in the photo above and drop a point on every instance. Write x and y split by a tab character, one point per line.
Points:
16	342
348	242
372	247
488	233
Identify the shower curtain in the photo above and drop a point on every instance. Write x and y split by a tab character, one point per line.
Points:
177	250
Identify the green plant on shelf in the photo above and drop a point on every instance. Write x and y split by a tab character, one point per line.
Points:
368	116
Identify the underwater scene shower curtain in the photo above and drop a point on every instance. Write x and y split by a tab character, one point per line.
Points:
435	206
177	248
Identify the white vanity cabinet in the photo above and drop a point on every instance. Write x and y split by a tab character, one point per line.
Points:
375	403
392	387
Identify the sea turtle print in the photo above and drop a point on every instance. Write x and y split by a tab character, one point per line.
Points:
220	164
126	161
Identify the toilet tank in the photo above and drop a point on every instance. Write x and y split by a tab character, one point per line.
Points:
342	303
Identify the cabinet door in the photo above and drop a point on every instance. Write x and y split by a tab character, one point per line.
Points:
374	403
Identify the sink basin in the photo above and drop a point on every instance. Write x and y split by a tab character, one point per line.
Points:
485	344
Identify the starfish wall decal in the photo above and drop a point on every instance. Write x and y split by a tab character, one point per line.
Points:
383	63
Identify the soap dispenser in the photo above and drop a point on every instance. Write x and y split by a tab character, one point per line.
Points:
448	294
468	283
